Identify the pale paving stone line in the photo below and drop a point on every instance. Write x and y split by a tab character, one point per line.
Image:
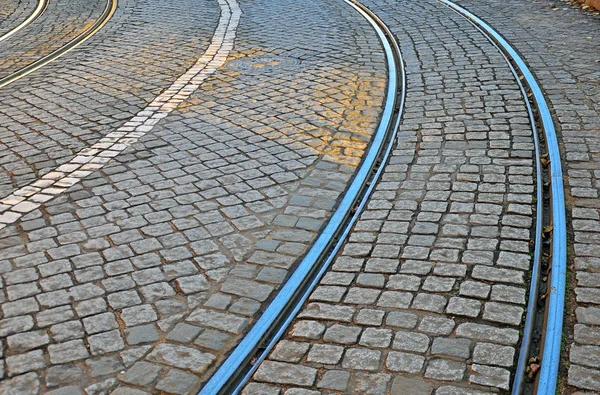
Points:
94	158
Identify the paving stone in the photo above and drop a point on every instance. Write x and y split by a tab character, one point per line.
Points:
429	302
411	385
284	373
181	357
585	355
493	354
213	319
67	331
177	382
66	352
436	326
404	362
138	315
106	342
336	380
459	348
62	374
464	307
25	362
442	369
68	390
582	377
342	334
123	299
27	340
411	341
401	319
101	387
287	351
122	390
504	313
192	284
245	306
260	389
451	390
490	376
183	333
25	384
141	334
103	366
362	359
372	337
307	329
100	323
372	383
141	374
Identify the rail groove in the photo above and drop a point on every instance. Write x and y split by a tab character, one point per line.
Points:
256	345
39	10
552	332
86	34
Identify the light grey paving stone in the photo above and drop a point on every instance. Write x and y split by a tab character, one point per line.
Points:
181	357
288	351
106	342
177	382
443	369
404	362
336	380
141	374
284	373
362	359
490	376
493	354
452	347
62	375
411	385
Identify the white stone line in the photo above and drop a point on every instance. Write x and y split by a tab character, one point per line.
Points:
91	159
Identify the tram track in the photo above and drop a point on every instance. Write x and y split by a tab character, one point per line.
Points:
551	257
550	188
239	367
107	13
37	12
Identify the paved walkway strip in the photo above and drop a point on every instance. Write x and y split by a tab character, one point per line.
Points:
39	10
89	160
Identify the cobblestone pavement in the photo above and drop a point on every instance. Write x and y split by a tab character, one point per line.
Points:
141	276
562	46
429	292
61	22
13	12
74	101
231	144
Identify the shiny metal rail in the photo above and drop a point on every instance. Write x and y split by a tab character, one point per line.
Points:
39	10
237	369
550	357
86	34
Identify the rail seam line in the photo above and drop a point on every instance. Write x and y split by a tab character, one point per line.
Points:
94	158
37	12
107	14
547	379
387	131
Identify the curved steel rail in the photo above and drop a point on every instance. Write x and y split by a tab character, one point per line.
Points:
290	299
555	311
86	34
39	10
